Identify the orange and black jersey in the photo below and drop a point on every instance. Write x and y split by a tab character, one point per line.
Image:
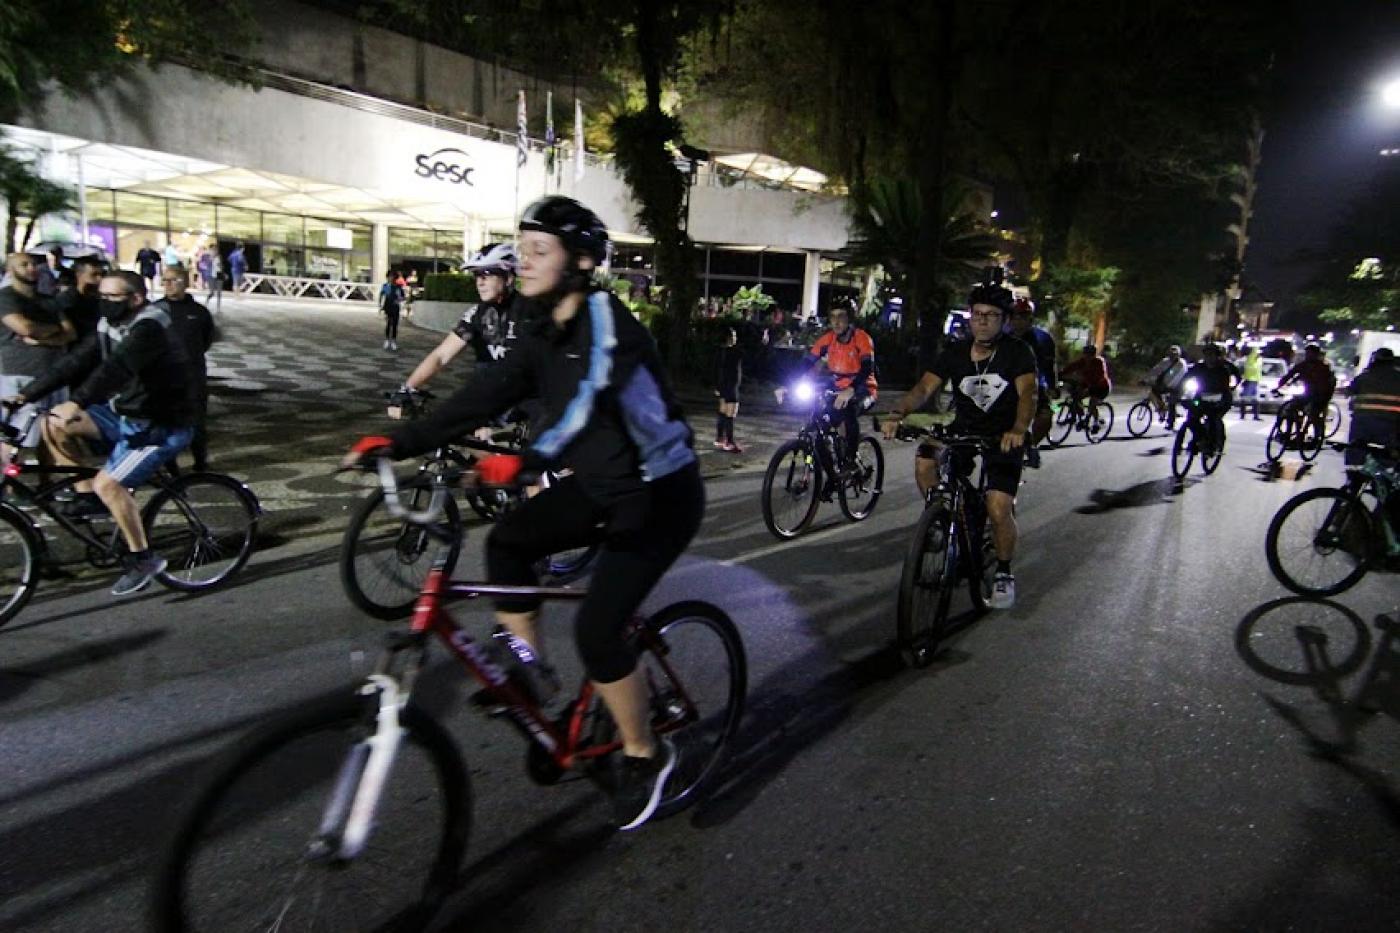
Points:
850	358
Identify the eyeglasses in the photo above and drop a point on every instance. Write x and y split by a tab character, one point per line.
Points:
985	315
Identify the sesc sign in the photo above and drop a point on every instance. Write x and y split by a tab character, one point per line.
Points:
445	165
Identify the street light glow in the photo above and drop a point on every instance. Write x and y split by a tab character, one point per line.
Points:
1390	94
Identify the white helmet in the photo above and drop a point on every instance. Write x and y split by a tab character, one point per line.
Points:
494	259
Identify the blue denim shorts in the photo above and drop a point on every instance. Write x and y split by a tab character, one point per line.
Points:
135	448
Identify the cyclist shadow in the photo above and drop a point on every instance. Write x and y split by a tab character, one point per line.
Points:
1283	470
16	681
1304	654
1148	492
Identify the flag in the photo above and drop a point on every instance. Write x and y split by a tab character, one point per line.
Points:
521	128
550	141
578	140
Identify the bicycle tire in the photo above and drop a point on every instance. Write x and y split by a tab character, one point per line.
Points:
870	459
207	536
1334	420
1183	451
1310	442
1105	419
926	585
387	587
20	547
1276	443
283	811
1344	516
802	480
1062	426
1140	418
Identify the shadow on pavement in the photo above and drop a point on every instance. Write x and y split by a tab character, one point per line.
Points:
18	680
1155	452
1148	492
1277	639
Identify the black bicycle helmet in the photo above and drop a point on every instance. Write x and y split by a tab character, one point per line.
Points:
994	295
579	228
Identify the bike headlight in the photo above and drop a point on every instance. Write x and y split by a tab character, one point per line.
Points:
1190	387
804	391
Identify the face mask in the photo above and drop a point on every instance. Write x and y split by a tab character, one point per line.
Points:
113	311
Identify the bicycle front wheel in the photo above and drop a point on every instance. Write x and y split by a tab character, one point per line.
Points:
384	560
694	663
861	489
791	485
1311	436
204	525
1277	442
245	856
1140	418
1183	451
1098	426
1334	420
20	547
1320	542
926	585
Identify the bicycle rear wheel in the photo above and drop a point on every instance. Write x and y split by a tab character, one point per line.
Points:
243	857
1097	427
791	485
20	547
926	585
1183	451
861	490
1278	441
1140	418
1064	423
384	560
204	525
1320	542
1311	436
694	663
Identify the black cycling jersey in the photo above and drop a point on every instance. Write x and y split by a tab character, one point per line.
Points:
492	328
984	393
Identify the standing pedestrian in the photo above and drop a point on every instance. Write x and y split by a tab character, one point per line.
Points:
237	266
32	339
214	280
729	373
195	327
148	264
390	302
1252	371
80	304
171	255
50	273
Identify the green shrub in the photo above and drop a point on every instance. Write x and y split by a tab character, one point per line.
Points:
450	286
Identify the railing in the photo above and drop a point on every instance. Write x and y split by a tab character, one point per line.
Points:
293	286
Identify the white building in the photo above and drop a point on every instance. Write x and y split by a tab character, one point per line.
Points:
323	182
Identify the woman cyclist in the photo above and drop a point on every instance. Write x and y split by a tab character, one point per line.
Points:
607	411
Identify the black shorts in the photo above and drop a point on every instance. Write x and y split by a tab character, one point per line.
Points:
1098	394
1003	470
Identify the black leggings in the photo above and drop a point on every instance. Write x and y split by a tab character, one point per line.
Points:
391	324
635	554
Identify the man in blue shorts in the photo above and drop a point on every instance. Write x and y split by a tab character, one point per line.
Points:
133	400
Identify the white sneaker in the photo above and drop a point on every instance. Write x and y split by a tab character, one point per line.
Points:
386	344
1003	591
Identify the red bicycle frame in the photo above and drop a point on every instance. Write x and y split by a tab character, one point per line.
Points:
562	744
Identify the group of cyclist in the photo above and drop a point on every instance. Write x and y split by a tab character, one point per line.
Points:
605	415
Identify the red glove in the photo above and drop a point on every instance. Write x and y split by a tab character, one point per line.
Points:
499	469
369	444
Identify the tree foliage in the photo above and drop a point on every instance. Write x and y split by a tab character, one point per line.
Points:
82	44
1358	282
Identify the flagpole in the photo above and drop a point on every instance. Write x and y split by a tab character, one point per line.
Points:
520	148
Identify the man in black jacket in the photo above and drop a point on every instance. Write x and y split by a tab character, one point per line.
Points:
133	400
196	329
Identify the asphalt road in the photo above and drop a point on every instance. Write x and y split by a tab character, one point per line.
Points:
1136	746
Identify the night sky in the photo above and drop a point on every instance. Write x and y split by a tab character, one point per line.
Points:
1324	129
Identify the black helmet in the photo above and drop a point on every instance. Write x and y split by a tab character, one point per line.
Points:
993	295
579	228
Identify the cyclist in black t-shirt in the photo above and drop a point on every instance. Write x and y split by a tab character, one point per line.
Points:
490	328
994	380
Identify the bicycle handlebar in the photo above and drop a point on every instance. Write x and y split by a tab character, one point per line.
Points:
390	484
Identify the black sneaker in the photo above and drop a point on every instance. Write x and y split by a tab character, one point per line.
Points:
139	574
1033	457
641	782
84	505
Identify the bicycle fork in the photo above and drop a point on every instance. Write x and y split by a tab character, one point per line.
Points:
349	815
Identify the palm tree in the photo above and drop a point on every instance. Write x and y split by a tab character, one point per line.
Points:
24	192
885	218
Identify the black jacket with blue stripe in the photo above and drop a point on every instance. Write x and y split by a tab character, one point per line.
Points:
608	412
